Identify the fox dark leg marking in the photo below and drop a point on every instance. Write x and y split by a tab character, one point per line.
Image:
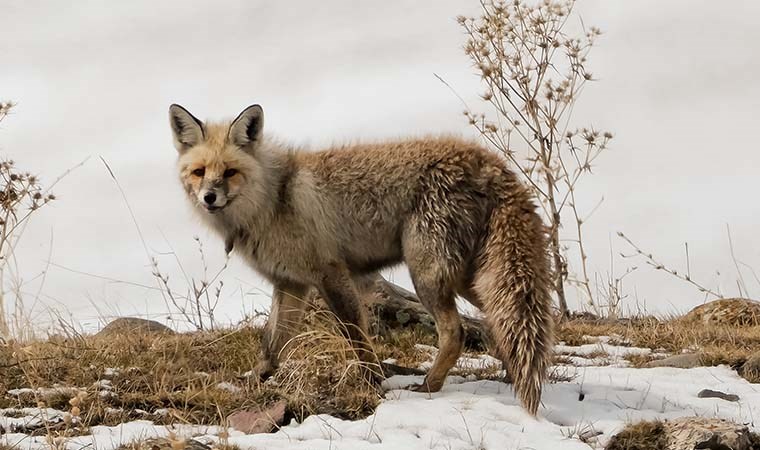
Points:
284	319
338	290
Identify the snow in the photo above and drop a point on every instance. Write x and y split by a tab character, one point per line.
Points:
601	352
229	387
478	414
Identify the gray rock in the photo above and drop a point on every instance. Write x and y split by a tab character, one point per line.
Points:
709	393
684	361
131	325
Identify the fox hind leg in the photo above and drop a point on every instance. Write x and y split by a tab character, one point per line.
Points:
431	275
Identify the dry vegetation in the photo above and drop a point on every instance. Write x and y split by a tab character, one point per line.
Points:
716	344
21	196
533	60
201	377
640	436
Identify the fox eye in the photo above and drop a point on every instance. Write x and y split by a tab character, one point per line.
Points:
230	172
199	172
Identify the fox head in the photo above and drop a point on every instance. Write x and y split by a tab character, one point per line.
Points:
218	164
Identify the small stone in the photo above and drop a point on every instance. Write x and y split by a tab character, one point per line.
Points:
709	393
684	361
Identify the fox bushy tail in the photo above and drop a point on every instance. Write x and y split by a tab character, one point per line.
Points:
513	282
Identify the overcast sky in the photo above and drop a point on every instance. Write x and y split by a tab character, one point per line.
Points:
677	86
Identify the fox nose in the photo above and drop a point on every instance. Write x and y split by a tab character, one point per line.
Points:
209	198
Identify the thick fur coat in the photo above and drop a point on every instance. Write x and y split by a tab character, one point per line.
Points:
448	208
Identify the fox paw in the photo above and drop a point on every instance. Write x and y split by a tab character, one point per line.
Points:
263	370
425	387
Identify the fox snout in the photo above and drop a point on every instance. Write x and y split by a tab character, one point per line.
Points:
212	199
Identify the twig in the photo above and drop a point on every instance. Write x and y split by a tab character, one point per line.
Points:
740	282
659	266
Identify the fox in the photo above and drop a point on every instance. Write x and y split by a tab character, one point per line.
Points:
447	207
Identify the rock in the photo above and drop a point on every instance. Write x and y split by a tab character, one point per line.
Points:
686	433
728	311
683	361
689	433
131	325
750	370
257	419
709	393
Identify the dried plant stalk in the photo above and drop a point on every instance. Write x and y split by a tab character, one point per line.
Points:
534	72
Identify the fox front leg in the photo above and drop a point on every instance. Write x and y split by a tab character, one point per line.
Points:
287	312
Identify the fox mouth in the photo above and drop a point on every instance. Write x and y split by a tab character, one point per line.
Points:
211	209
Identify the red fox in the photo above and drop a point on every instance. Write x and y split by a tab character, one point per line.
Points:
451	210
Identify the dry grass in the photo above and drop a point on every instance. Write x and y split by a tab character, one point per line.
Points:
197	377
640	436
717	344
178	373
173	444
200	377
401	346
322	373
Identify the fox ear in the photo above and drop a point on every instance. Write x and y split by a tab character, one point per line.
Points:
187	130
246	129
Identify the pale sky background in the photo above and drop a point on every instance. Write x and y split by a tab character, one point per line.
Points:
677	86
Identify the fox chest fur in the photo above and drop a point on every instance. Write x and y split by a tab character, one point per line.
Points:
310	228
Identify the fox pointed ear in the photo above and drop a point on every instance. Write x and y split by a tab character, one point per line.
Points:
246	129
187	130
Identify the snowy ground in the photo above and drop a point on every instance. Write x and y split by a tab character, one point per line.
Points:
479	415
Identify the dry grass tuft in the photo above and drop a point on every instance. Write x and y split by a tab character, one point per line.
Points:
640	436
401	345
321	373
